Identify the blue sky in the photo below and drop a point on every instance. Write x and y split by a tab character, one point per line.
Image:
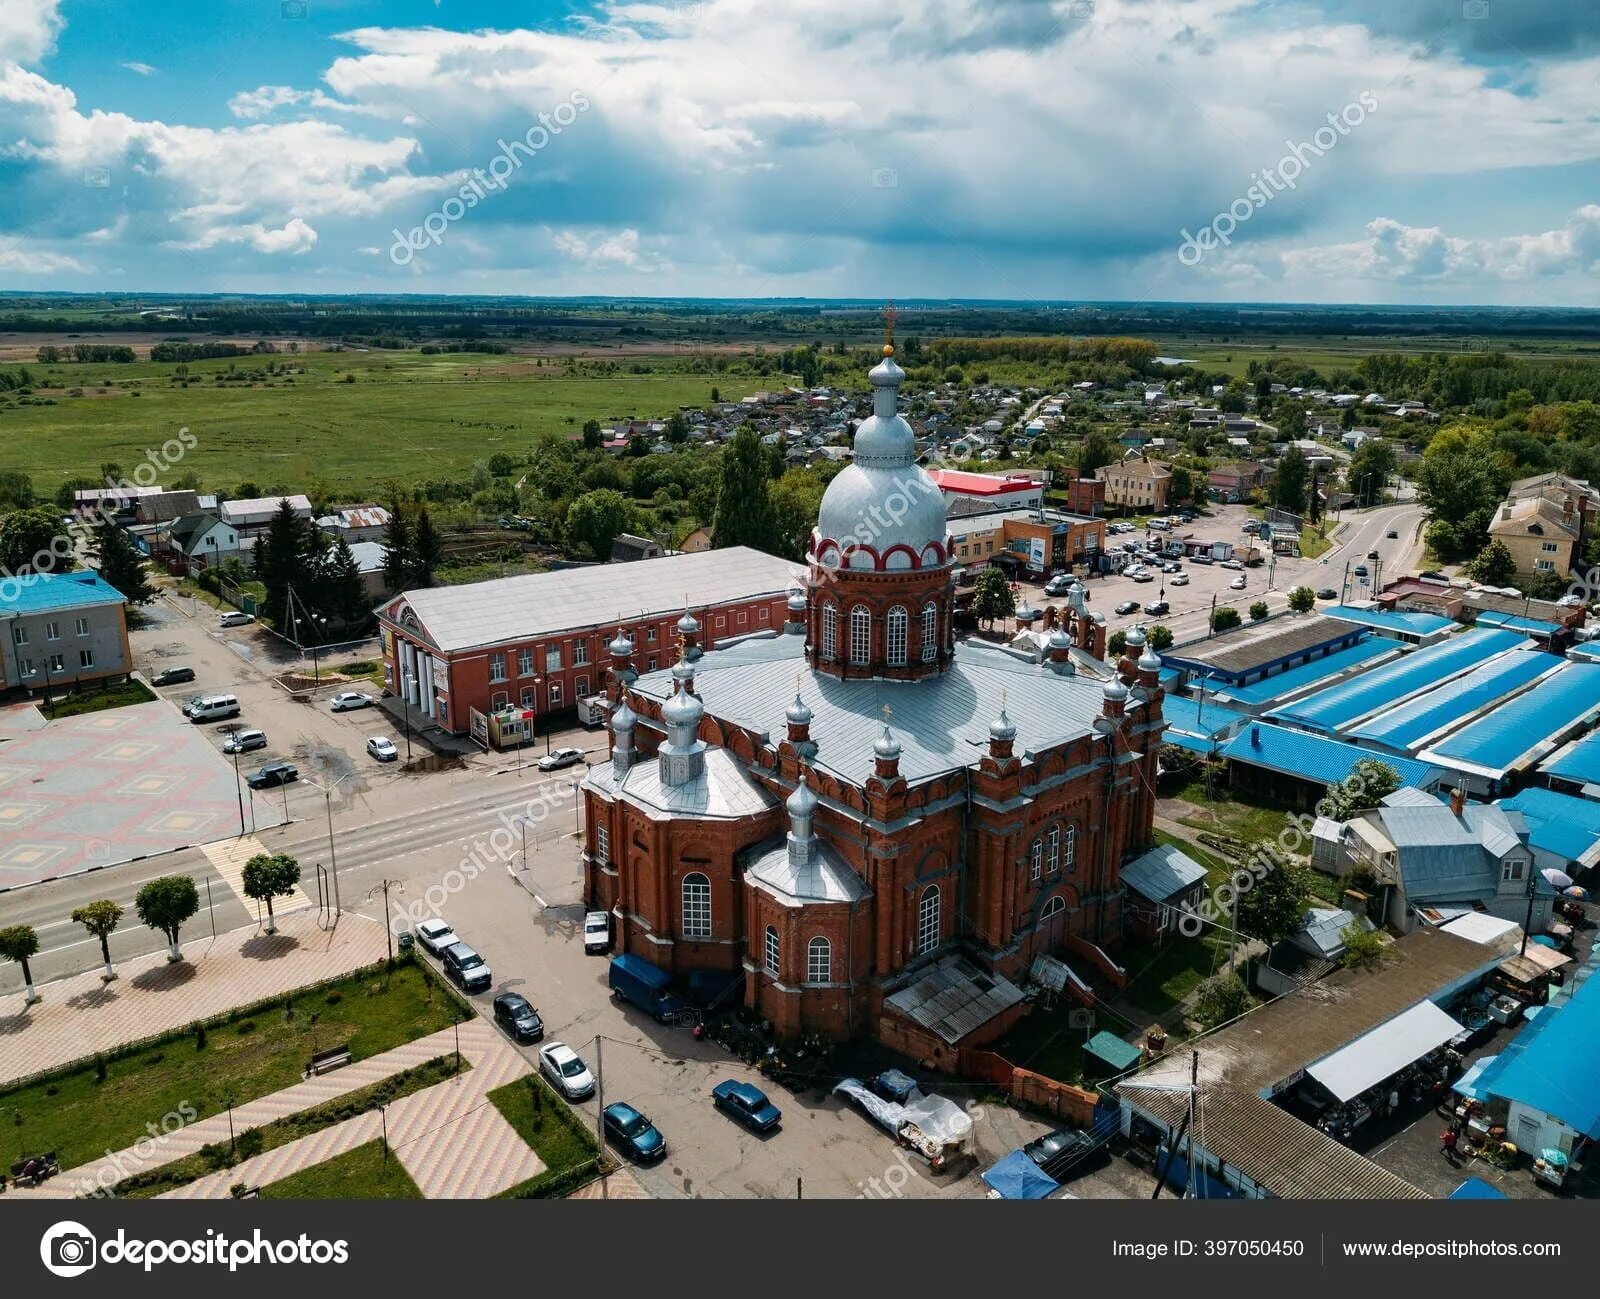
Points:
1430	151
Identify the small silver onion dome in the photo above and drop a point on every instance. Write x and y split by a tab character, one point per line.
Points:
1115	692
1002	728
886	746
797	713
621	647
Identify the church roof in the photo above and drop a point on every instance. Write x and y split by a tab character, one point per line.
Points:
826	877
723	791
942	722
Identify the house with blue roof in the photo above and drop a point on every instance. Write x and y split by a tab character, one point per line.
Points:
1297	766
1409	628
59	630
1542	1086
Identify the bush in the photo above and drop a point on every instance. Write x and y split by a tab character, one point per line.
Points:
199	1036
1259	610
248	1026
1225	618
1220	998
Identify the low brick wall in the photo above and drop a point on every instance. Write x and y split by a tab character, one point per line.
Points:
1065	1101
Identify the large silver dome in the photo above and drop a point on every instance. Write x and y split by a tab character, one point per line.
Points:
884	498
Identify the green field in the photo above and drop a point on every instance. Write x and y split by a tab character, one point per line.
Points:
364	1173
345	421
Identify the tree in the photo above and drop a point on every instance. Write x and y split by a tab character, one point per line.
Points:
1362	947
1289	483
1275	905
1370	466
1159	637
34	541
1546	584
427	551
1493	565
1259	610
744	510
270	875
1115	644
992	597
398	556
1225	618
796	498
100	919
591	435
1180	487
340	588
166	904
1220	998
120	564
1302	599
596	519
1460	483
1290	417
1096	450
20	943
677	428
282	556
1370	781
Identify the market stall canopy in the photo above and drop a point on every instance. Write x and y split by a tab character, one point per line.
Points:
1384	1051
1535	962
1016	1177
1475	1188
1467	1084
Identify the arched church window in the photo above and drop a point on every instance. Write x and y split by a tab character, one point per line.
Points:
830	631
930	632
928	920
819	961
696	906
860	635
898	625
773	951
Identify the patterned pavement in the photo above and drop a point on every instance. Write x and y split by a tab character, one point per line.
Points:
81	1015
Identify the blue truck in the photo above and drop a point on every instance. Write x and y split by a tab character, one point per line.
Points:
635	980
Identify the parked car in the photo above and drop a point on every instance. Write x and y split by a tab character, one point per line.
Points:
1143	575
567	1073
1128	606
1157	608
1182	579
1231	563
235	618
1066	1153
597	932
746	1104
272	775
1327	593
1058	585
345	700
469	970
382	748
1237	584
244	741
211	708
1170	567
516	1014
634	979
559	758
172	676
626	1127
435	935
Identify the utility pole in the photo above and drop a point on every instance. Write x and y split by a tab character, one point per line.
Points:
599	1096
1233	928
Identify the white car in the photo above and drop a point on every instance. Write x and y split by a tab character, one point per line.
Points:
1238	583
347	699
567	1073
1232	563
382	748
1182	579
596	932
235	619
560	758
435	935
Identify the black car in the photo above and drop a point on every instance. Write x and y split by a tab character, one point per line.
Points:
515	1013
1065	1154
271	775
1128	606
1327	593
1157	608
172	676
1392	535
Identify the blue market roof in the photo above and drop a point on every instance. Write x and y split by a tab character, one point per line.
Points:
1186	713
1307	674
1395	682
1588	650
1515	622
42	592
1551	1065
1562	824
1436	711
1579	761
1413	624
1316	757
1475	1188
1162	873
1525	728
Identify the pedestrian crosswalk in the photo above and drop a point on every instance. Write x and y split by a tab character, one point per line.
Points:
229	857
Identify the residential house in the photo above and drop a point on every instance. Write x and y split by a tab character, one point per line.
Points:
252	517
1572	494
1163	885
1136	484
201	540
1541	535
697	541
627	548
60	630
356	523
1235	481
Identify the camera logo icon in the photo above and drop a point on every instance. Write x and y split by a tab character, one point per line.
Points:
68	1249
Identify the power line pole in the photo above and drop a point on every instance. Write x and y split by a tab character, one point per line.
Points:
599	1097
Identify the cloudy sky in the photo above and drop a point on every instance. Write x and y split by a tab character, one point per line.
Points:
1373	150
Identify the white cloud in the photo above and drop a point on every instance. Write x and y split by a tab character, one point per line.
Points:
17	258
295	237
143	69
619	249
28	29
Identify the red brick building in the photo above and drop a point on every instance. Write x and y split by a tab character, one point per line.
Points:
538	641
888	849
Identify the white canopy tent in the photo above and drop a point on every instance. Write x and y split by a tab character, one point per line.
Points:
1384	1051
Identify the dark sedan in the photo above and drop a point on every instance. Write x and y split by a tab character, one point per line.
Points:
1065	1154
748	1105
172	676
1128	606
273	774
629	1129
515	1013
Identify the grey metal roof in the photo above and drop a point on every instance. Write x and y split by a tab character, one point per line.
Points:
1442	855
1257	644
1161	873
535	605
721	792
942	722
955	997
826	877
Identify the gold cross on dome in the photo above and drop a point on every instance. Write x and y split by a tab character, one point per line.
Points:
887	713
888	323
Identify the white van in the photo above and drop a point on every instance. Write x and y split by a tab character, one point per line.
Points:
211	708
1159	525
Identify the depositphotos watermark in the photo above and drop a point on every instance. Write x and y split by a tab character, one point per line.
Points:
1266	184
71	1249
487	181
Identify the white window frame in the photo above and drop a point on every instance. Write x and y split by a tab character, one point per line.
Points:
1036	859
1052	908
772	951
830	632
525	662
580	653
52	630
930	632
1070	855
19	634
602	841
552	659
819	960
497	667
58	662
555	694
695	903
860	645
897	631
83	626
928	907
1053	850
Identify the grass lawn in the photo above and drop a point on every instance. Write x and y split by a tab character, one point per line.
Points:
93	700
1224	813
256	1141
1313	545
1044	1042
360	1174
554	1132
1217	870
343	421
1169	973
81	1118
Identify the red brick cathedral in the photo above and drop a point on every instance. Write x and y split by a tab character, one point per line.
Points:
881	827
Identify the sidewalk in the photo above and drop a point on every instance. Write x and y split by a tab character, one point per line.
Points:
80	1015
